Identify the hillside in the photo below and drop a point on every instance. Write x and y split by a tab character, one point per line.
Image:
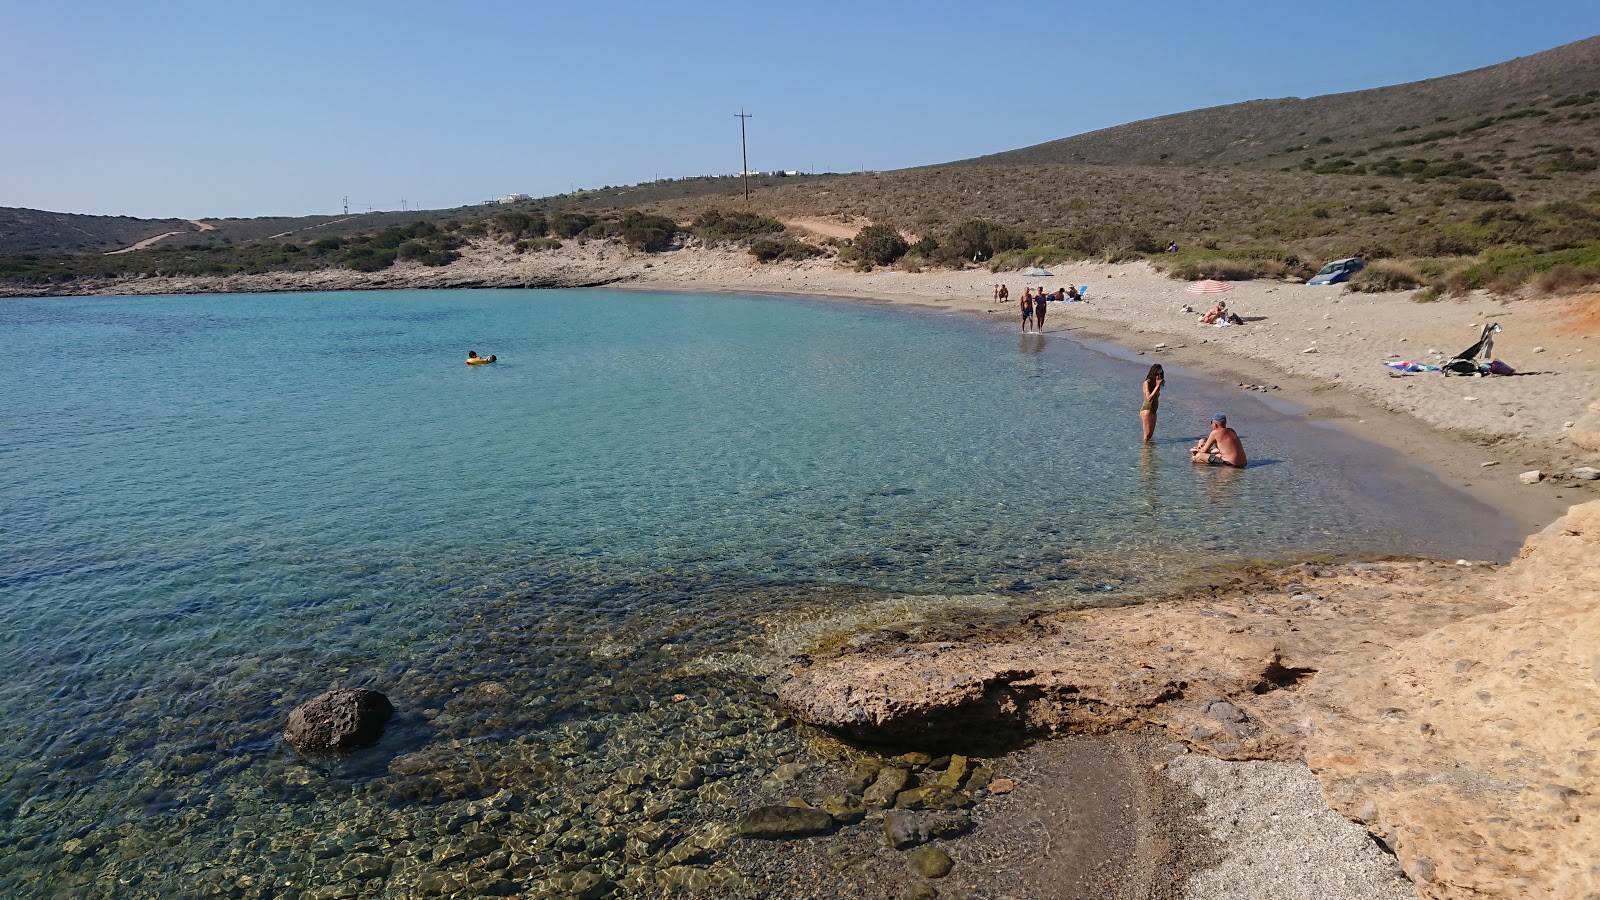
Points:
38	231
34	231
1260	130
1489	178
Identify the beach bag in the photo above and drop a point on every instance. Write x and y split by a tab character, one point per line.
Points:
1496	367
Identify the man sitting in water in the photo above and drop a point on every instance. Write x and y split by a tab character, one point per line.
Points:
1219	448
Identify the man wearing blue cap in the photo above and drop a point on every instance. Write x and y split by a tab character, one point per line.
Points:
1219	448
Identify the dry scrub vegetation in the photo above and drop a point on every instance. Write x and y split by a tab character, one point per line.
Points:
1229	223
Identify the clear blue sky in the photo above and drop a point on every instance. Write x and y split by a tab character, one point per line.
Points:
200	109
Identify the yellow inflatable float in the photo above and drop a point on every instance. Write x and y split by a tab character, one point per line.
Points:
473	359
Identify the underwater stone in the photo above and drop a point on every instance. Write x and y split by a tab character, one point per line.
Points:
891	781
776	822
338	721
930	862
846	808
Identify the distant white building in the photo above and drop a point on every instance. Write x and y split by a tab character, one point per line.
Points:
513	198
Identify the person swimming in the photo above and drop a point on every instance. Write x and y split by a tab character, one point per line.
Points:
473	359
1221	447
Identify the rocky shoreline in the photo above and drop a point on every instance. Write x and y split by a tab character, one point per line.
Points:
1448	708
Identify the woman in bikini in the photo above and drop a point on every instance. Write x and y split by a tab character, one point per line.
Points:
1152	401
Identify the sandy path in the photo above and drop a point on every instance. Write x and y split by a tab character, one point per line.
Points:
284	234
144	243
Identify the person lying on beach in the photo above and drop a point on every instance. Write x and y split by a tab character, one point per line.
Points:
1221	447
1220	311
1073	296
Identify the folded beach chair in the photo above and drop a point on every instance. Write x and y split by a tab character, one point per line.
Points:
1466	362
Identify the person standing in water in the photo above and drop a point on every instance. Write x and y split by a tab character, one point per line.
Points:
1038	310
1026	303
1152	401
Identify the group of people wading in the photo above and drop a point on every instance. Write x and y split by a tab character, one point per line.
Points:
1033	304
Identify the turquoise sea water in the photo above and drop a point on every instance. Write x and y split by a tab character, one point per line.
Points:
216	507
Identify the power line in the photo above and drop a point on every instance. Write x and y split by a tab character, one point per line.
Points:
744	152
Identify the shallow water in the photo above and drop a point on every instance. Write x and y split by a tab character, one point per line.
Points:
216	507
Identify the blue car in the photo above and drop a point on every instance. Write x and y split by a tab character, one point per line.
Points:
1338	270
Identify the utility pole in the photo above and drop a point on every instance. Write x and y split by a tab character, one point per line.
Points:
744	152
347	204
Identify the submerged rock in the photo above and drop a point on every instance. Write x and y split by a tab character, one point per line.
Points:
338	721
778	822
930	862
907	828
891	781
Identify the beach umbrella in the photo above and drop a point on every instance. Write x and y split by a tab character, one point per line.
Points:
1037	272
1209	287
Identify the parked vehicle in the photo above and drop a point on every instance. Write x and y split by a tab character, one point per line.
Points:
1338	270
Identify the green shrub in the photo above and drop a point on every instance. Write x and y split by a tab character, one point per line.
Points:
1426	295
978	240
536	244
1486	191
879	245
412	250
713	225
515	226
651	234
568	223
768	249
1384	276
369	259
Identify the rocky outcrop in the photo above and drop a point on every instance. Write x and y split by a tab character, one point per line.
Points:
338	721
1474	751
1585	432
1221	673
1453	709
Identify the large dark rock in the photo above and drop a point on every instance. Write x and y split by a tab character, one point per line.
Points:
784	822
338	721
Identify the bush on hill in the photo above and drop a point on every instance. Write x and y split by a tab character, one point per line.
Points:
978	240
878	245
1486	191
767	249
1386	275
514	226
651	234
568	223
714	225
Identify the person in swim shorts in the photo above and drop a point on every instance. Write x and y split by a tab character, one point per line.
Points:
1221	447
1027	308
1152	401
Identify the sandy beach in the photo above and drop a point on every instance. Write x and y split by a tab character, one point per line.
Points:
1317	350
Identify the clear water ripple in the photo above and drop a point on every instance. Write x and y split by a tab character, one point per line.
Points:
215	507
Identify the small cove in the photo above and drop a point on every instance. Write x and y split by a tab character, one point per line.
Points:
227	504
